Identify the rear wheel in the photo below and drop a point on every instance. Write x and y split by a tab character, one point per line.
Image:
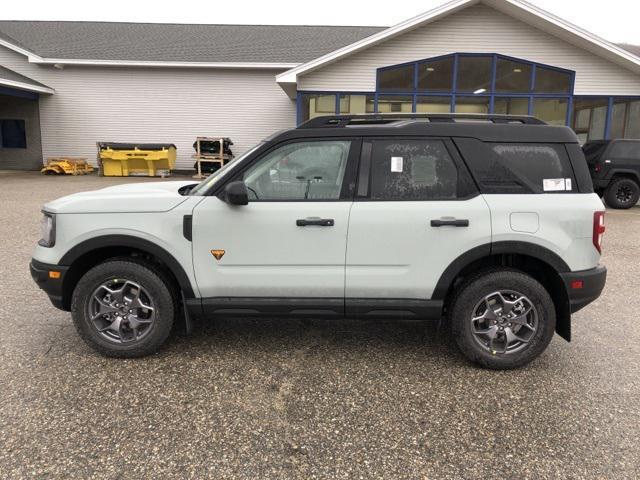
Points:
502	319
124	308
622	193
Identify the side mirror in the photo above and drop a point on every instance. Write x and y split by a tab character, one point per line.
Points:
236	193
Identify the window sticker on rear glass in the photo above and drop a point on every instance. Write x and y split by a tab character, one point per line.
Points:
396	164
554	184
567	184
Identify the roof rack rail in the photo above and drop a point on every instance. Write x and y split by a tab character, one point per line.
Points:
384	118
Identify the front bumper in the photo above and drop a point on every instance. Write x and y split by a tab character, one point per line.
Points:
585	286
51	286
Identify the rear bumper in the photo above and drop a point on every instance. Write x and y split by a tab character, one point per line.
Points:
582	294
51	286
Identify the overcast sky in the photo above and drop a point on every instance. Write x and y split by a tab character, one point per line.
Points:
614	20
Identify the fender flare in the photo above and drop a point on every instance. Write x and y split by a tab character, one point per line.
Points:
515	247
137	243
624	171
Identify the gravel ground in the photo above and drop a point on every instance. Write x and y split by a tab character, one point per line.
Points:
304	399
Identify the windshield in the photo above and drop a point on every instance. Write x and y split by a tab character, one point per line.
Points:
208	182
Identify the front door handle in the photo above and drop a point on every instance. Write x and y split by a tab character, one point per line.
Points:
450	222
319	222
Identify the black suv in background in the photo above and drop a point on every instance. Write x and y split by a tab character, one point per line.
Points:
615	169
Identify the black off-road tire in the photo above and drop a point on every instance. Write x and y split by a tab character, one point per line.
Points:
479	286
153	279
622	193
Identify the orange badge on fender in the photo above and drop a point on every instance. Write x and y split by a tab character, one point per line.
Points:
217	254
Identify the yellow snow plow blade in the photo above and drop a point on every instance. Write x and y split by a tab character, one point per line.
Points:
66	166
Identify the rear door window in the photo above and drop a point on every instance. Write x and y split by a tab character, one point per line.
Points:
412	169
519	167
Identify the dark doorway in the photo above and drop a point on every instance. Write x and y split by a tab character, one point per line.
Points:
20	141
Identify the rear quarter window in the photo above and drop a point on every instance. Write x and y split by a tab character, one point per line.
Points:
519	167
628	150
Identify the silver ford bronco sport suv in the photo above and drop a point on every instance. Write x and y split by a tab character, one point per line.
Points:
487	221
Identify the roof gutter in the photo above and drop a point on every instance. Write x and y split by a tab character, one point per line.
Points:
37	59
144	63
26	86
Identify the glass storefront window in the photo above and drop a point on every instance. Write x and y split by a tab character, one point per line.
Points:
395	103
482	84
625	118
511	106
632	128
472	105
316	105
436	75
474	74
589	118
396	79
425	104
355	104
618	119
512	77
552	81
551	110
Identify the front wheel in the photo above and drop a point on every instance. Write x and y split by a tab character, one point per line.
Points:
622	193
502	319
124	308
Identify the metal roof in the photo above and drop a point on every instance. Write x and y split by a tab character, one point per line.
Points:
179	42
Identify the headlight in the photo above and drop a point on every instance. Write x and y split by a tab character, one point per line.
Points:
48	230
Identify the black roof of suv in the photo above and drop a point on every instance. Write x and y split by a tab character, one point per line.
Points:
537	150
488	128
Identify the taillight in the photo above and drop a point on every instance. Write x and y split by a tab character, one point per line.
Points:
598	230
597	167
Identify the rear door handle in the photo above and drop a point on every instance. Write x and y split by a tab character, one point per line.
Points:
450	222
319	222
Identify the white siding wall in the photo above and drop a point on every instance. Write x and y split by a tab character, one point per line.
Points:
476	29
154	105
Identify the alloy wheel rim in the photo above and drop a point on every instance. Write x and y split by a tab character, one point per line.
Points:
504	322
624	194
122	311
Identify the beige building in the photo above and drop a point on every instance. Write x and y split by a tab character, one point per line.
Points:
66	85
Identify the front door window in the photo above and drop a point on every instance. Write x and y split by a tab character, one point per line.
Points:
299	171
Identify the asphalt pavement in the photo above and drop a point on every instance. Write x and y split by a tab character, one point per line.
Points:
307	399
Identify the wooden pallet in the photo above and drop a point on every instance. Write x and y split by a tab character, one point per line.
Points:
200	157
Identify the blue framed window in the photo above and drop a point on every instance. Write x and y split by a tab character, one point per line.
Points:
483	83
605	117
